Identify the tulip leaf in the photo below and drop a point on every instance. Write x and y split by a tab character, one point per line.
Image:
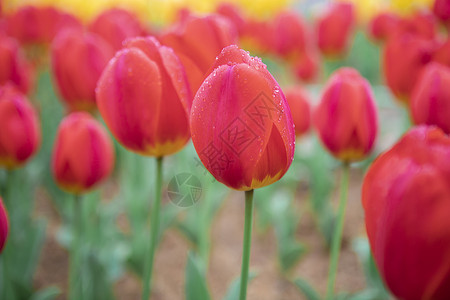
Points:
196	286
235	286
49	293
309	292
290	253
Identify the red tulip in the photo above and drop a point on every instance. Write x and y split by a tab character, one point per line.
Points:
422	24
241	125
346	118
441	9
430	101
383	25
290	35
144	98
78	59
199	40
298	101
39	25
233	14
406	195
20	134
258	36
83	154
116	25
306	67
4	225
442	53
14	68
403	59
334	29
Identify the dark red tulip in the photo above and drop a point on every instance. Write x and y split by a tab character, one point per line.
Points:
346	118
430	100
406	199
335	29
441	9
14	67
4	225
298	101
199	40
116	25
20	133
83	154
144	98
383	25
241	125
78	60
404	58
39	24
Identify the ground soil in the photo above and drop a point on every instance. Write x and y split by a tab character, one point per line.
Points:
226	255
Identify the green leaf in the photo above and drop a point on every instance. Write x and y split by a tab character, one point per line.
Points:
309	292
290	252
235	286
196	286
46	294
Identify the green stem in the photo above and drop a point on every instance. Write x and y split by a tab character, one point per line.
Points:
337	236
154	230
75	278
247	243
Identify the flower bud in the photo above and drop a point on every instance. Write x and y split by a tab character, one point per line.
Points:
298	101
144	97
346	118
334	29
430	100
78	60
83	154
241	125
20	133
405	196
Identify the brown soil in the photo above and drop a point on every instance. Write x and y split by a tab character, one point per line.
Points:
226	235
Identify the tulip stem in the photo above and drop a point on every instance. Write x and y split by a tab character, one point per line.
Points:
247	243
337	235
154	230
75	278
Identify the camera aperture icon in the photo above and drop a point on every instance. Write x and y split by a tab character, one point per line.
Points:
184	190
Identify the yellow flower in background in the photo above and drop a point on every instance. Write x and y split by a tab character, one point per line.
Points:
155	11
405	7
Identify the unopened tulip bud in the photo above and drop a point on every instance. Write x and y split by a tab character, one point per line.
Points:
83	154
144	97
405	196
20	134
241	125
430	101
346	118
298	101
78	60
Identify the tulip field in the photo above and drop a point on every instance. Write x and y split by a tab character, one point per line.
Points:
203	150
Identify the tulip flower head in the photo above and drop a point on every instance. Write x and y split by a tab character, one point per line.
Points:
83	154
4	225
430	101
20	134
78	60
441	9
144	97
383	25
334	29
115	26
298	101
14	67
405	196
404	58
241	125
346	118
